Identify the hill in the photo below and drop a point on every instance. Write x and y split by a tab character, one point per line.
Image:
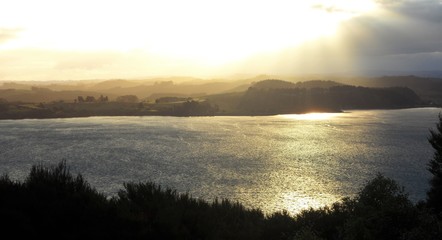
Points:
143	89
267	97
37	95
278	97
282	84
427	88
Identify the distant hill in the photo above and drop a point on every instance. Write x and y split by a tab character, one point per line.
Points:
278	96
273	84
37	95
148	89
110	84
427	88
318	84
281	84
266	97
378	73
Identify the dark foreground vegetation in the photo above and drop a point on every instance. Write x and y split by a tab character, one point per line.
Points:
53	203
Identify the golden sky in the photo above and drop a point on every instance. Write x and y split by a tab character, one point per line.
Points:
89	39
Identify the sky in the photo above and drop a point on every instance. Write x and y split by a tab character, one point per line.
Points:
95	39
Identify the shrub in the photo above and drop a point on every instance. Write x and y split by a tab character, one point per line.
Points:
434	195
51	202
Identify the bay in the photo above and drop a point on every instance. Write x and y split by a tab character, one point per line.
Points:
289	162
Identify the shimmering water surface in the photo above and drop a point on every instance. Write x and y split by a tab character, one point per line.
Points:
274	162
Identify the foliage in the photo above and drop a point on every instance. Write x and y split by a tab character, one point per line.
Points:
434	195
381	210
125	106
3	105
51	202
165	214
128	99
259	101
194	108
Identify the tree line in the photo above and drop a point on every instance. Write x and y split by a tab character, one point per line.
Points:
336	98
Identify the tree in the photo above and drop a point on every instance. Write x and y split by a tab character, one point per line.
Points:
382	210
90	99
3	105
127	99
103	98
434	195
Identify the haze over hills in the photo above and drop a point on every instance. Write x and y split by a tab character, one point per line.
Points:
428	88
242	97
143	89
150	89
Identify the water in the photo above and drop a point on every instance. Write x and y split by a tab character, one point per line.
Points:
287	162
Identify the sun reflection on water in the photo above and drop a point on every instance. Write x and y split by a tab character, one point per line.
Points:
295	202
296	193
310	116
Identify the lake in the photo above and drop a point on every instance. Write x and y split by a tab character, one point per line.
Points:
280	162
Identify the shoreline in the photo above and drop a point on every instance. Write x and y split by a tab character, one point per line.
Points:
202	115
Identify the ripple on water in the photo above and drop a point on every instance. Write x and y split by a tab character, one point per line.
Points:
271	162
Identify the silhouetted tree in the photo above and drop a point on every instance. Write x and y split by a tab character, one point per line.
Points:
90	99
127	98
103	98
434	195
171	99
3	105
51	202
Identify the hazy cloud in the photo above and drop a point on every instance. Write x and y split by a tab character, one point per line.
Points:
381	36
86	60
428	10
46	64
406	36
330	8
7	34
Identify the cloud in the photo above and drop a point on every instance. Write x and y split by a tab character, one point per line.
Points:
371	35
7	34
331	8
49	64
402	36
334	8
45	64
86	60
407	35
427	10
